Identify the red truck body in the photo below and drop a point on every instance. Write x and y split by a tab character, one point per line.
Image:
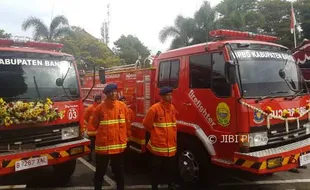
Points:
235	109
302	56
28	73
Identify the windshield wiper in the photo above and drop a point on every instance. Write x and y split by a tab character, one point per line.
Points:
270	95
63	96
37	88
297	94
16	98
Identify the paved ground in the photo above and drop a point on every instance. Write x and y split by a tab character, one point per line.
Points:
138	179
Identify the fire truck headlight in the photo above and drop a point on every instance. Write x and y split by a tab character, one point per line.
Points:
258	139
307	126
70	132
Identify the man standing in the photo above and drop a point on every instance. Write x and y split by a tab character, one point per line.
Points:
110	118
88	119
160	121
131	114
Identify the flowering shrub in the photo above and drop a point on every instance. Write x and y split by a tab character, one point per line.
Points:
20	112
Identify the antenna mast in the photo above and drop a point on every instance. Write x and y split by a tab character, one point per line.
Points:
107	25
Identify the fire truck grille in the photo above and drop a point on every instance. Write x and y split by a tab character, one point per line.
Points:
277	135
31	138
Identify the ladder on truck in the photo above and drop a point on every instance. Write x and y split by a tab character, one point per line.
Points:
142	83
129	67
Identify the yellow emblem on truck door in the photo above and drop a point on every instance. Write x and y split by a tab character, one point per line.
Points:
223	114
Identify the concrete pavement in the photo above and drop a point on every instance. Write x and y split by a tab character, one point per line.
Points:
225	179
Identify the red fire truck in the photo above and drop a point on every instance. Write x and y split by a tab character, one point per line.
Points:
40	108
241	99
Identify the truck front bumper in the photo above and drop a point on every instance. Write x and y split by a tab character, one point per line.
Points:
55	154
277	159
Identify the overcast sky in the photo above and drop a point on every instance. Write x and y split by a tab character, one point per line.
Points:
142	18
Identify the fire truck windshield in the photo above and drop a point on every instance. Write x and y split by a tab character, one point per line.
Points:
33	76
265	73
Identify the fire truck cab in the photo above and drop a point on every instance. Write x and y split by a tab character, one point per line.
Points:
241	99
41	109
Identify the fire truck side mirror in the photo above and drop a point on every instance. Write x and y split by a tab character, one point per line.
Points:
102	75
230	72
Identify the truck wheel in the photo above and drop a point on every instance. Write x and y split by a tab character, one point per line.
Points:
194	163
64	171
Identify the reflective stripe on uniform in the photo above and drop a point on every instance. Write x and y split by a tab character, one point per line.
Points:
157	149
114	121
111	147
165	124
91	132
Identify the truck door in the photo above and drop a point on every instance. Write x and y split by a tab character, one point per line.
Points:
210	101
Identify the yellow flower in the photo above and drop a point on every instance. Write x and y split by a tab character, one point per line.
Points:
49	101
8	121
285	113
2	102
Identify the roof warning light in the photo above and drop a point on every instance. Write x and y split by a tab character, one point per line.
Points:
238	35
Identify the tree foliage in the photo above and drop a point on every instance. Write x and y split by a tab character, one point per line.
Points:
303	16
271	17
3	34
182	32
129	48
80	43
59	27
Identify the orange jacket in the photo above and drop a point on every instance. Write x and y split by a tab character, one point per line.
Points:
131	115
160	121
111	120
88	119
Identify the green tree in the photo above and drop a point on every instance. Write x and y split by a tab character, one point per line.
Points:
277	17
58	28
182	32
240	15
3	34
302	13
129	48
204	23
81	43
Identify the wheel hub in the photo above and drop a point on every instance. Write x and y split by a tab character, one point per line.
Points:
188	166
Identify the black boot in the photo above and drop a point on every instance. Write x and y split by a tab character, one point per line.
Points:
172	186
90	158
98	183
294	170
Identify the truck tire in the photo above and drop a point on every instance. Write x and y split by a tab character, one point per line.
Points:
194	163
64	171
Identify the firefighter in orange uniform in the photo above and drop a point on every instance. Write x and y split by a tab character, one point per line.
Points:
88	119
110	119
131	114
160	121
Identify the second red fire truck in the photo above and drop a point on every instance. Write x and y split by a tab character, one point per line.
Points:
41	109
241	98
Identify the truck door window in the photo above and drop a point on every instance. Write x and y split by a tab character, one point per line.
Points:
219	84
169	73
200	71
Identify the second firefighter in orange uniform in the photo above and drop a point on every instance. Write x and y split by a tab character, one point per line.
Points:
160	121
88	118
110	118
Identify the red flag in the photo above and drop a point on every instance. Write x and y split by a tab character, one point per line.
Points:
293	20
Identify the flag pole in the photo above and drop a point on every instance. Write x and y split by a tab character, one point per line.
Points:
295	36
293	23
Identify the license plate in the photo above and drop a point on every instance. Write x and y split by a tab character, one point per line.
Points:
304	159
31	163
76	150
